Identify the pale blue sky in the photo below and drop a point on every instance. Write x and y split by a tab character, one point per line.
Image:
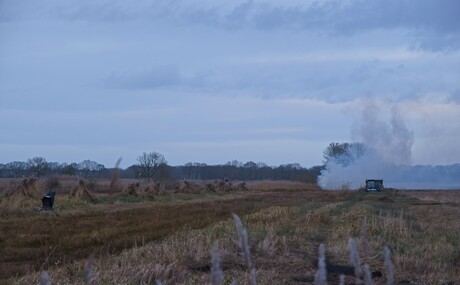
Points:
213	81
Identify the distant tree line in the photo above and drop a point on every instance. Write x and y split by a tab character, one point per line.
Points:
39	167
236	170
153	166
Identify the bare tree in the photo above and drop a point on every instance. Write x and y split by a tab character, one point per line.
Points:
150	164
37	165
343	153
89	168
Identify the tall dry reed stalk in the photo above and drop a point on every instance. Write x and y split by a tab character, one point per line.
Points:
364	240
342	279
89	270
355	259
45	278
114	178
388	266
217	276
244	247
321	273
367	275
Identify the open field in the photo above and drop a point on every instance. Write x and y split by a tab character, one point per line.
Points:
169	238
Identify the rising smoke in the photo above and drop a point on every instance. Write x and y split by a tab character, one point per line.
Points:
387	155
393	140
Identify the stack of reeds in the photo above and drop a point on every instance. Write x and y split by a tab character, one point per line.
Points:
82	192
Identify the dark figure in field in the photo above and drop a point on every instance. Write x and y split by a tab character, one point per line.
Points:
48	200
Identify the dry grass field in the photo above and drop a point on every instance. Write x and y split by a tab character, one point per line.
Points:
168	238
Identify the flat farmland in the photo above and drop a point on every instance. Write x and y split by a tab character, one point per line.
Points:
169	237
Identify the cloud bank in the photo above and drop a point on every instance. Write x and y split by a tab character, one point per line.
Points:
213	81
432	25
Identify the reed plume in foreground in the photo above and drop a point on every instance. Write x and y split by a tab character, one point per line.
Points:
342	279
363	273
367	275
355	259
321	273
388	266
216	271
89	270
244	247
364	240
45	278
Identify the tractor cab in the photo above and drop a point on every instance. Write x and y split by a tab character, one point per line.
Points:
374	185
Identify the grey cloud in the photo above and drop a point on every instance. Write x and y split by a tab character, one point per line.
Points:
456	96
333	82
430	24
165	76
434	41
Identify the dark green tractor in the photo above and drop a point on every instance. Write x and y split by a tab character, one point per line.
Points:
374	185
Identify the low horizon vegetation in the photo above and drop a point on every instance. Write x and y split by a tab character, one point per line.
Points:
153	166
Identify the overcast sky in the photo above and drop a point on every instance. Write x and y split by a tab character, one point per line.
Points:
213	81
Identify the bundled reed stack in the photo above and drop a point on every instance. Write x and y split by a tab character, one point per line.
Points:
210	187
188	187
227	186
27	188
82	192
136	189
224	185
160	188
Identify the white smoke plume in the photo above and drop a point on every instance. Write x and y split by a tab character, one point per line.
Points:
387	155
392	140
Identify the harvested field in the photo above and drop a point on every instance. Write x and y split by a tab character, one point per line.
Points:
440	196
170	239
81	229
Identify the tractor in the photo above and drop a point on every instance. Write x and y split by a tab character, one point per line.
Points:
374	185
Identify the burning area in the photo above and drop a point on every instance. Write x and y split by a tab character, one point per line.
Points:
383	152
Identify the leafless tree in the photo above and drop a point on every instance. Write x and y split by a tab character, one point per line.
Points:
150	164
37	165
343	153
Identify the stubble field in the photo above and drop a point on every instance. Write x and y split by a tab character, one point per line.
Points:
169	237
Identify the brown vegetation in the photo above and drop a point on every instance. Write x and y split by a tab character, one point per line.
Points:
171	240
27	188
82	192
